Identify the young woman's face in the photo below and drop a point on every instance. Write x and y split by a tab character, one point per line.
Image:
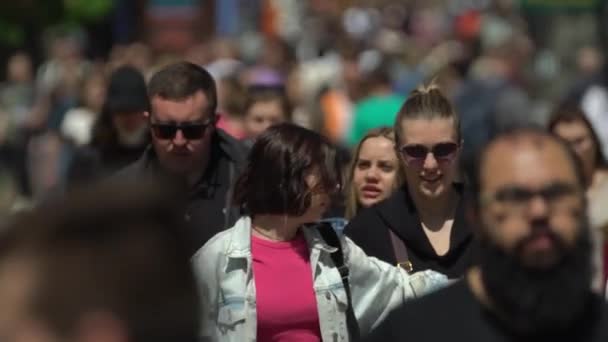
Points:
375	172
580	139
429	150
262	115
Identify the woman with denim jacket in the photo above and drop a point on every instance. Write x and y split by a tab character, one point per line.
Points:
269	278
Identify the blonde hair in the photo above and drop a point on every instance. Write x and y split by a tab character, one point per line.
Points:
426	102
352	202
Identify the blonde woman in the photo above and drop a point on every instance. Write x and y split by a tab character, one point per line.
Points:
375	171
422	225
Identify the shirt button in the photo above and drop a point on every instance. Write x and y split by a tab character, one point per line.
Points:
327	296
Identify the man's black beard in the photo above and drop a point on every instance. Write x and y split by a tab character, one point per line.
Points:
532	301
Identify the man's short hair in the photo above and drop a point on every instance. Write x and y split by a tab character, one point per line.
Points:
474	167
274	181
181	80
110	248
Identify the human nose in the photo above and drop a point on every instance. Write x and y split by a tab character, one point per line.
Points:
430	162
538	207
179	139
372	174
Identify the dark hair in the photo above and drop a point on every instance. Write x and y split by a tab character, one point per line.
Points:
475	166
570	112
257	94
181	80
114	248
426	102
274	180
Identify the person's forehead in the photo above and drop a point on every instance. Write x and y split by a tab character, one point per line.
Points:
530	163
378	148
427	131
571	129
195	107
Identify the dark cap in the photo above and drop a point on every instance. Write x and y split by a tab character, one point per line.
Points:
127	91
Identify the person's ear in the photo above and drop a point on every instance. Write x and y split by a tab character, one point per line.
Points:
101	327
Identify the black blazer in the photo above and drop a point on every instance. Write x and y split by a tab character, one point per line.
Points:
369	230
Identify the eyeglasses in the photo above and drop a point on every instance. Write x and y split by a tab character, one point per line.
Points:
517	199
191	131
415	154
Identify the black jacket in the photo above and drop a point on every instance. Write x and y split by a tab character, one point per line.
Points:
209	209
369	230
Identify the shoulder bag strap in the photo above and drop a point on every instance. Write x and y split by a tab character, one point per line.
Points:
331	238
400	251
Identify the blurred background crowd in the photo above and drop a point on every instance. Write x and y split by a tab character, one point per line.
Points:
339	67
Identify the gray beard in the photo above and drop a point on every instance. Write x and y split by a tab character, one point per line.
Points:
133	139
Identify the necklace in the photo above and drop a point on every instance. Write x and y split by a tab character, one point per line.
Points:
272	238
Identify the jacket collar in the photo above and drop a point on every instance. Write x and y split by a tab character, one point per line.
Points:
401	216
239	243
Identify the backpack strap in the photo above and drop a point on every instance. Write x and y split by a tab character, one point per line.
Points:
331	238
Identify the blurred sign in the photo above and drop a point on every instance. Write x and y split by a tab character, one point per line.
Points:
559	4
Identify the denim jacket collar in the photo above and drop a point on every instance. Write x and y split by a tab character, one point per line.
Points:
239	245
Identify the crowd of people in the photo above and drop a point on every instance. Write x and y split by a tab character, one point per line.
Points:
341	198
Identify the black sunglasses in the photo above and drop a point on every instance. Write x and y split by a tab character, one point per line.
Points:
191	131
416	153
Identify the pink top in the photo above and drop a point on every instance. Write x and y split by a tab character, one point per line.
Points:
285	298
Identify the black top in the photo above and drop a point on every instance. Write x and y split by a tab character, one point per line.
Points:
454	314
209	209
369	230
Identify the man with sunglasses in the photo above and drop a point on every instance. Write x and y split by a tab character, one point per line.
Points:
533	282
187	145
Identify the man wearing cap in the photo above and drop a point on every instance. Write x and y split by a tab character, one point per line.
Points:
121	132
188	147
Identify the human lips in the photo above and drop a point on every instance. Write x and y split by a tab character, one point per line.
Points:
370	191
431	179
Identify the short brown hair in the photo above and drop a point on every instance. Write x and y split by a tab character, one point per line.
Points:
257	94
426	102
114	248
352	203
274	180
568	113
181	80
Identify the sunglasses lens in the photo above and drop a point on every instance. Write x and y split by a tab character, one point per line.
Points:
193	132
416	151
444	150
164	132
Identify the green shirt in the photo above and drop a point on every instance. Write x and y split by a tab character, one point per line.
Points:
374	112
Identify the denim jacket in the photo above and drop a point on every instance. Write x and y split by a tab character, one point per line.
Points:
224	274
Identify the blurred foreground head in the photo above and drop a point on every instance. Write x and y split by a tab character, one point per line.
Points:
533	231
105	263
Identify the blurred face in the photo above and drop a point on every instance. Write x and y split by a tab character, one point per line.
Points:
375	171
531	202
580	139
263	115
131	127
182	132
429	150
17	324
